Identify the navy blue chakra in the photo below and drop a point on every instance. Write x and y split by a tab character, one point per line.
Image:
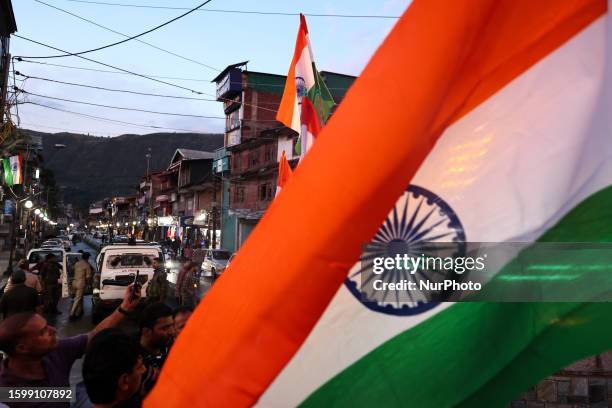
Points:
420	224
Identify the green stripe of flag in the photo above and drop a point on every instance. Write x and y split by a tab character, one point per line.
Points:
8	172
483	354
321	99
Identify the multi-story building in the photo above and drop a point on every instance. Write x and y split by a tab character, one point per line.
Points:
254	141
195	196
152	203
7	27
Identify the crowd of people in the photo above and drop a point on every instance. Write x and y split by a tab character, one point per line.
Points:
119	366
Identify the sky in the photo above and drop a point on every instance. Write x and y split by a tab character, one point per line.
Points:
216	39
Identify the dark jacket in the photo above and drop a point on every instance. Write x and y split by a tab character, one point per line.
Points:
50	273
158	285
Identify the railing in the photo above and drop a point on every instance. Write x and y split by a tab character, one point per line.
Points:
220	153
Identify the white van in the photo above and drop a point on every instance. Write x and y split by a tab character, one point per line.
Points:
117	266
65	259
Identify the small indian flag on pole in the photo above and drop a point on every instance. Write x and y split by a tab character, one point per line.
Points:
306	103
284	173
12	170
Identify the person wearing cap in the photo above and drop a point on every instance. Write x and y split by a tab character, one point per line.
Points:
20	298
158	286
31	278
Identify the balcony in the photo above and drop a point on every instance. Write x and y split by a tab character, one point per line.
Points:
231	104
220	153
230	85
233	138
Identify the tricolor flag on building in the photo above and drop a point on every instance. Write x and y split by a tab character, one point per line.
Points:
12	170
284	173
306	102
495	122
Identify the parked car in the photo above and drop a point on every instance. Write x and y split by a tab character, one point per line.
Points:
117	267
120	239
215	262
66	242
52	243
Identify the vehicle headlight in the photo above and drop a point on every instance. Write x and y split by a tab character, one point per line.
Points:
96	291
169	264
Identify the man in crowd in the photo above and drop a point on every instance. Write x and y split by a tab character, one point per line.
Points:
198	258
20	298
113	369
157	288
156	335
50	276
181	315
36	358
185	289
82	277
31	278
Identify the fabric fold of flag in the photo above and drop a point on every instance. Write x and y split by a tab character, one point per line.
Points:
284	173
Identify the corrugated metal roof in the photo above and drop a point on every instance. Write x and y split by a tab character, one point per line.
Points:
189	154
227	69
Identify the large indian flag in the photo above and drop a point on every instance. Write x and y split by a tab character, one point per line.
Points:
496	123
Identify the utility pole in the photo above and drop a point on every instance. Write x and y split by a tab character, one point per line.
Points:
9	269
214	214
150	209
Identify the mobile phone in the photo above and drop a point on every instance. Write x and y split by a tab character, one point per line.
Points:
136	286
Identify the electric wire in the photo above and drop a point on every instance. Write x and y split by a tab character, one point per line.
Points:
109	65
259	106
125	35
103	119
108	71
122	107
270	13
101	88
74	54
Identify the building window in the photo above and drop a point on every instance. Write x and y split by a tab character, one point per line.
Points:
232	120
236	162
254	158
239	194
265	192
269	153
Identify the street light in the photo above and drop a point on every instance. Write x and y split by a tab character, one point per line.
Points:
118	224
29	204
37	211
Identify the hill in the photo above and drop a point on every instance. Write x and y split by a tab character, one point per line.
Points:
90	168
